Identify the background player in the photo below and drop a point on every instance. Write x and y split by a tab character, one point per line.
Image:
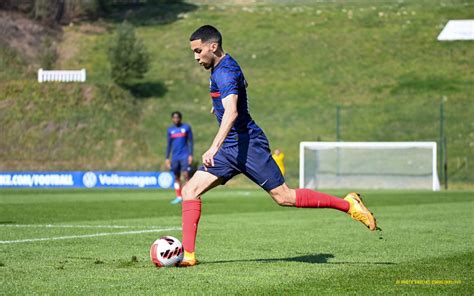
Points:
240	146
180	146
279	158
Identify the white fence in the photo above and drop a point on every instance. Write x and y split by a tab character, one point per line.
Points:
62	76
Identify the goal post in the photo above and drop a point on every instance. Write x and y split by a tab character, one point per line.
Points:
369	165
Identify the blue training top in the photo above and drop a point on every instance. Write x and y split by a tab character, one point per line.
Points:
180	142
227	78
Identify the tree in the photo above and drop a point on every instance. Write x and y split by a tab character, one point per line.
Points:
54	12
128	56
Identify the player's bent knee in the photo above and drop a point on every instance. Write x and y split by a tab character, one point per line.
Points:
189	192
282	201
283	196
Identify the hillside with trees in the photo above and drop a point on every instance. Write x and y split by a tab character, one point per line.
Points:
379	65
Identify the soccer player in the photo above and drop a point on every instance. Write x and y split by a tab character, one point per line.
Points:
241	147
180	147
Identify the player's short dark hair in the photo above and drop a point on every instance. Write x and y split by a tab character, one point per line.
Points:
207	33
177	113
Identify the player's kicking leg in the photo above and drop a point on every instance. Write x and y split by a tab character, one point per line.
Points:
305	198
191	211
263	170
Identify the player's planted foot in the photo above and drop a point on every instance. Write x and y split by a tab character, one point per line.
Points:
189	259
177	200
359	212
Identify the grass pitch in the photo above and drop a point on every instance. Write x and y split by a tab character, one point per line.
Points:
97	242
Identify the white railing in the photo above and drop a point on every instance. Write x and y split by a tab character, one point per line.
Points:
62	76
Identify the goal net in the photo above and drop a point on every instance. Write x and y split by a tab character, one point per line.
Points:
368	165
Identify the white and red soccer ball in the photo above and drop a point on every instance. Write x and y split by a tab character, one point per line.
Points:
166	251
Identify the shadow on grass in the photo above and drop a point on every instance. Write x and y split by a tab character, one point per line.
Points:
144	90
152	12
312	259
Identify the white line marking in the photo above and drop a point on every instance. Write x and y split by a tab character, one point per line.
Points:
75	226
87	235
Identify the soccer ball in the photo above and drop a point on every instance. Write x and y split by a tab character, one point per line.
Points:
166	251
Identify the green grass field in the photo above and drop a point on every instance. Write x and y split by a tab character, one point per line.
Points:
246	243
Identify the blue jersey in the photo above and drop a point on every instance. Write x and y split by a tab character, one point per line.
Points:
180	142
227	78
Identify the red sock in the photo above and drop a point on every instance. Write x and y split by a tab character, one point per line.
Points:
177	189
191	215
306	198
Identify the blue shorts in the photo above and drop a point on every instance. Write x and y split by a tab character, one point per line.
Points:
252	157
180	165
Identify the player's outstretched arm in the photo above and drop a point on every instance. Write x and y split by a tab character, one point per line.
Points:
228	119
